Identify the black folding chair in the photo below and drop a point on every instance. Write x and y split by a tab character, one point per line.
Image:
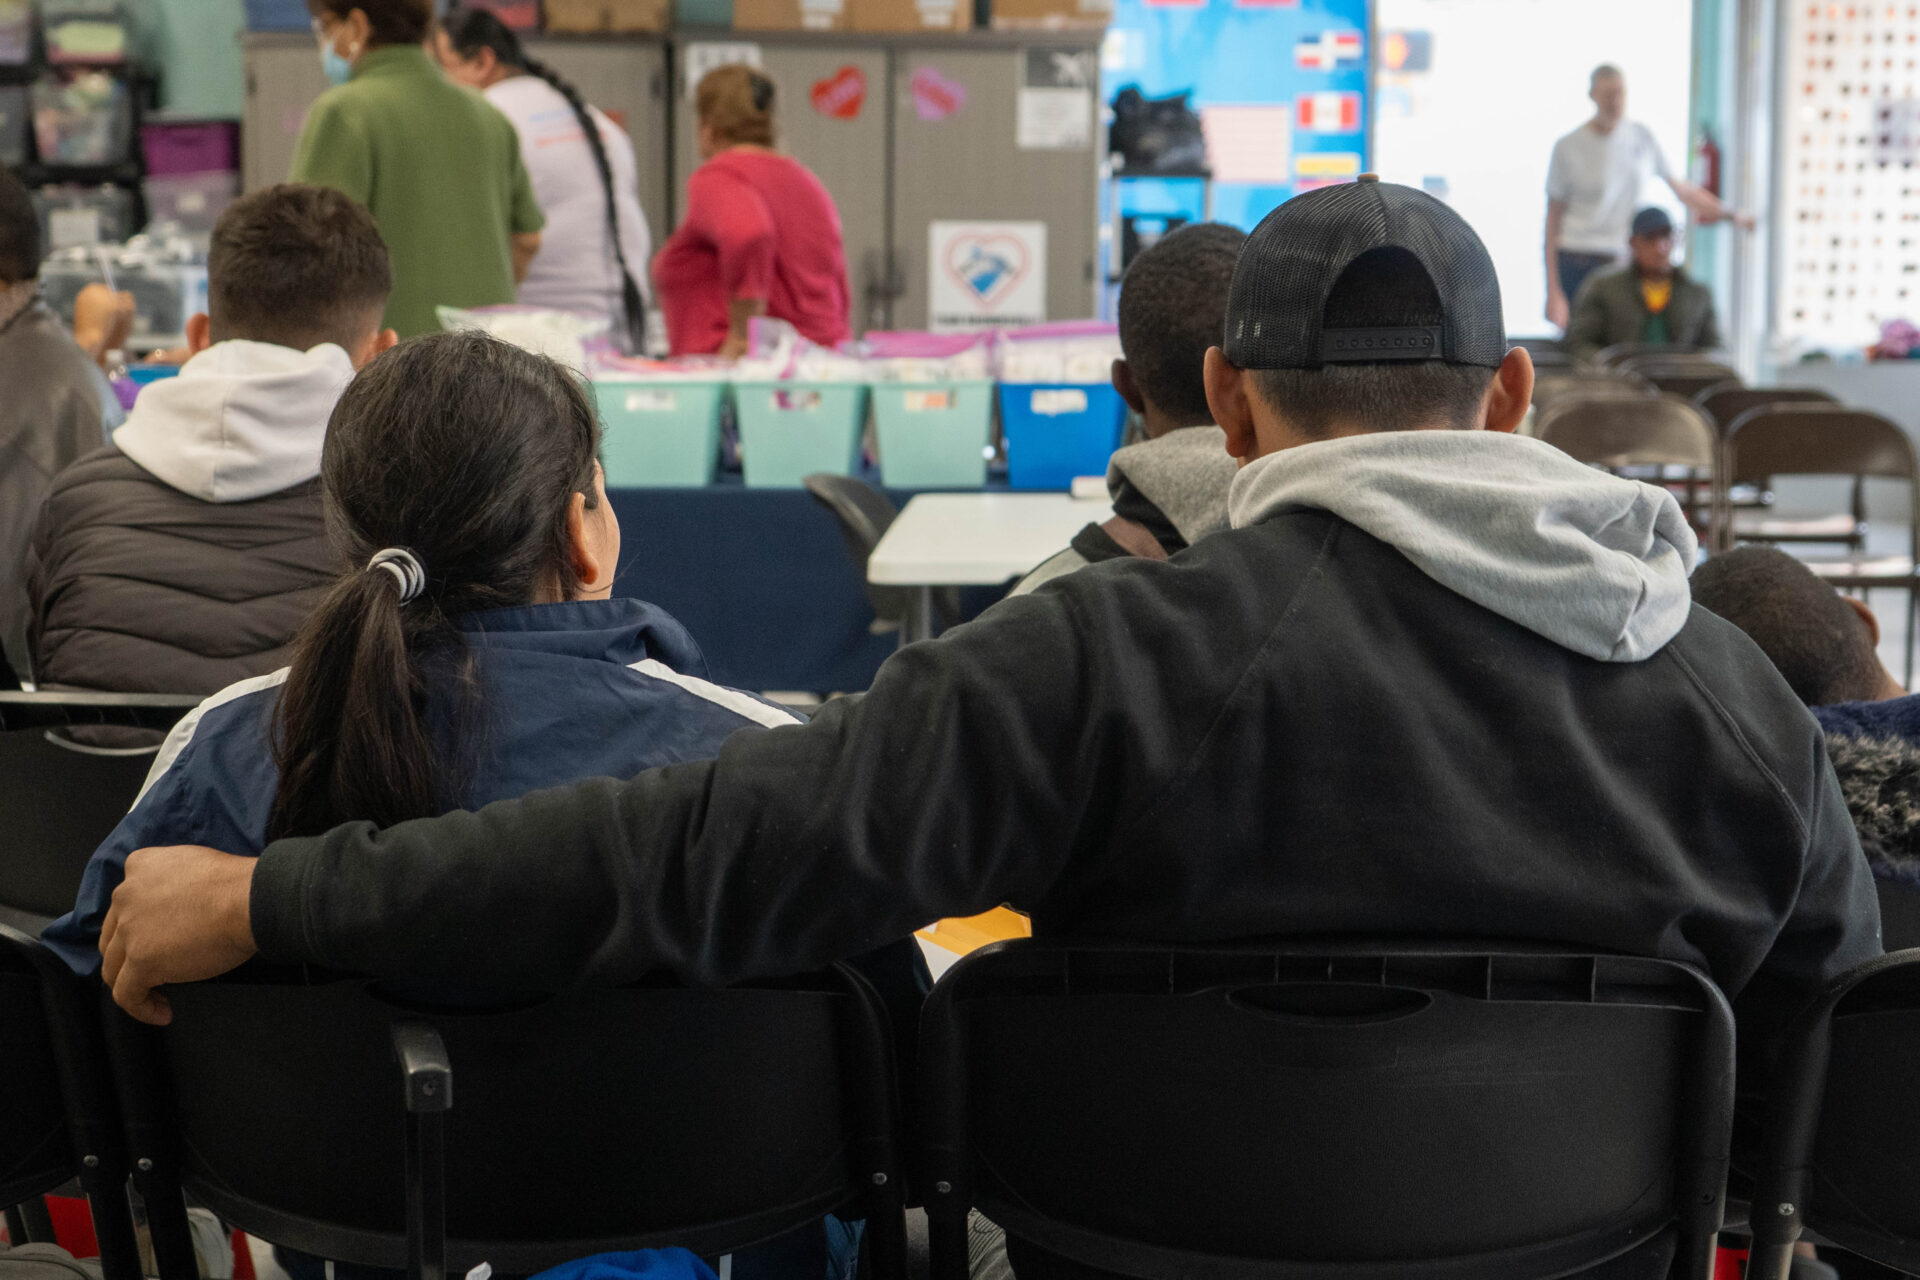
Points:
323	1115
1319	1111
57	1118
863	515
60	798
1844	1123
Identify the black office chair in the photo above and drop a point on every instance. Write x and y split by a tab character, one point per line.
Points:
863	515
1844	1122
57	1117
337	1118
60	798
1325	1112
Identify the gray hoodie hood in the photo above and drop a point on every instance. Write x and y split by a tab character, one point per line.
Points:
1592	562
1184	474
241	421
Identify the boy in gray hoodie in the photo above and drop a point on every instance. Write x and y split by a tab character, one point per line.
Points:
1170	490
185	555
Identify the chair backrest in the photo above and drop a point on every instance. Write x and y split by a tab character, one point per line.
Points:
1726	400
1817	439
1628	431
1687	381
59	798
57	1116
1646	357
1621	353
1844	1121
863	515
1327	1111
1546	352
1557	384
594	1120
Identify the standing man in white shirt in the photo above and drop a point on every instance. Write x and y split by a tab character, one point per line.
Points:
1593	191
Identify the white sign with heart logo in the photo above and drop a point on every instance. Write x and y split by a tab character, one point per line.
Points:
986	275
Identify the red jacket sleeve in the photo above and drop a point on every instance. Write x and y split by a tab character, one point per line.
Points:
731	215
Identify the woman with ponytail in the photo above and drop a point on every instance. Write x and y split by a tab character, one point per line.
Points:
593	255
470	651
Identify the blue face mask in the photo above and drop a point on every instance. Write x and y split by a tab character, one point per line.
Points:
338	70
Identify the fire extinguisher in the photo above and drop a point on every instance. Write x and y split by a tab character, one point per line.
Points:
1706	163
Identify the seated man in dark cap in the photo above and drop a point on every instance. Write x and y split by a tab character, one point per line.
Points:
1436	681
1649	300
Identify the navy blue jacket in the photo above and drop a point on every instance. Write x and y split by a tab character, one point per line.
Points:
590	689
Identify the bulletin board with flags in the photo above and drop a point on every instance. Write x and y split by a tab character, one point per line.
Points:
1272	126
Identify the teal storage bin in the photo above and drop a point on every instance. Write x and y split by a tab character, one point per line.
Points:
789	430
703	13
933	436
659	434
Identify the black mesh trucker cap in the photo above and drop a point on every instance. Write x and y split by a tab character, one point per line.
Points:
1290	263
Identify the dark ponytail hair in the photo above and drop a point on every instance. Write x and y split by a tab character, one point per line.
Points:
471	30
465	452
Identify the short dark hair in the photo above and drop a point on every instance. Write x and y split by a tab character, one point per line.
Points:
1817	641
1605	71
1173	306
391	21
1381	289
20	247
297	265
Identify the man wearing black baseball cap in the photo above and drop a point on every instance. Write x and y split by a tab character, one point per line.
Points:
1648	300
1437	680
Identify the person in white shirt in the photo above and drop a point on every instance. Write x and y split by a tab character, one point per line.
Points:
583	173
1593	191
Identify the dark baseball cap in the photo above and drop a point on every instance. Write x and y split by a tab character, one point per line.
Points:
1292	262
1652	221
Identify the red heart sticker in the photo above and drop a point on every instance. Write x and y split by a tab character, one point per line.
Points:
841	95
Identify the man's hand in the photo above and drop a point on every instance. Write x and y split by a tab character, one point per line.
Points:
1557	310
180	915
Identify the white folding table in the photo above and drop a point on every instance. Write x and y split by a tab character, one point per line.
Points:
974	540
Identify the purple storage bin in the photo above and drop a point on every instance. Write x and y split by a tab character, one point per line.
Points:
16	33
199	146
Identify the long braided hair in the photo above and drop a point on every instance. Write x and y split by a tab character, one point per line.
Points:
471	30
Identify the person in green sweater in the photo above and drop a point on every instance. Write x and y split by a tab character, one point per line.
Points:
438	166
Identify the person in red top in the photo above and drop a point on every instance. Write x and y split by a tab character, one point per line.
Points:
761	235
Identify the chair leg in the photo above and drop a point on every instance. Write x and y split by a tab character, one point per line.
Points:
1912	591
426	1196
947	1248
29	1222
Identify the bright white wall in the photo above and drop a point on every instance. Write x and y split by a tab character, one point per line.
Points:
1509	77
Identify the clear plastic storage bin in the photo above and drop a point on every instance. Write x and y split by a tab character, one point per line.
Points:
933	435
789	430
659	433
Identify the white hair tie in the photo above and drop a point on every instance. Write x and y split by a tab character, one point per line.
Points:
405	569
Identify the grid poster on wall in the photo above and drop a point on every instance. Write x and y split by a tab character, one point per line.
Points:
1849	209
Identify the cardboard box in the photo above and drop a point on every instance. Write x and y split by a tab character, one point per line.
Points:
1051	15
594	17
911	15
790	15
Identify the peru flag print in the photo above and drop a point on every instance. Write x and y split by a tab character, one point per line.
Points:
1327	112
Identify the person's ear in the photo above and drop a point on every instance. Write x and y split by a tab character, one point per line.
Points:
199	333
1859	607
1128	386
377	343
1510	393
593	541
359	32
1232	410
